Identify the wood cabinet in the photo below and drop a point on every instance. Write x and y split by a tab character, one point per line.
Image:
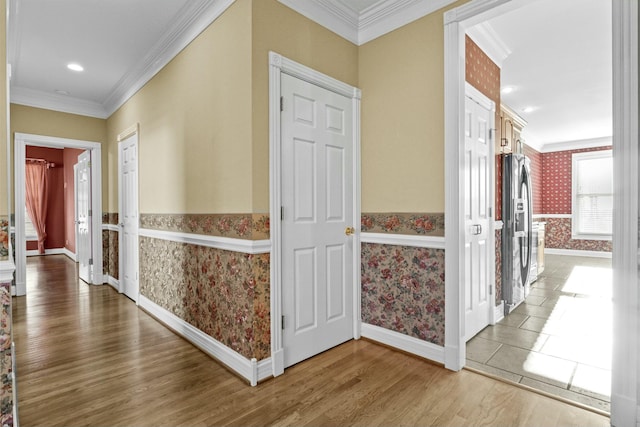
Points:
510	130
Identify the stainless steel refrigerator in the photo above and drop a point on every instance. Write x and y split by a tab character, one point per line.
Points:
517	237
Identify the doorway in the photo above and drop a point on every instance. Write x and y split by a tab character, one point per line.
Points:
625	131
21	142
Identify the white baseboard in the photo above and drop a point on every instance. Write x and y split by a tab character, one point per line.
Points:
113	282
498	313
624	410
573	252
70	254
404	342
54	251
252	370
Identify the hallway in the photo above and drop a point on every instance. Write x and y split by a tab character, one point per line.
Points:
88	356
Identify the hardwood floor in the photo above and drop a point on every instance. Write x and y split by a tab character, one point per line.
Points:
87	356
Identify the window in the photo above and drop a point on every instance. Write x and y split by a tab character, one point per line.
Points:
592	188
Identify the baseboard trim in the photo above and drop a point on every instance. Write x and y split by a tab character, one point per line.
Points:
113	282
70	254
624	410
54	251
403	342
573	252
250	369
498	313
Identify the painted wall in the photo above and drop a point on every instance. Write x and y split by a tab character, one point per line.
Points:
39	121
195	147
55	222
70	158
401	75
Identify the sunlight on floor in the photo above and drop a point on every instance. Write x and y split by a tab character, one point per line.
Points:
589	281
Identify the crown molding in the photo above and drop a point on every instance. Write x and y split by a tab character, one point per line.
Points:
577	145
373	22
194	18
490	42
53	101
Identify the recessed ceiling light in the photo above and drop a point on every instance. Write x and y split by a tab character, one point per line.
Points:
75	67
61	92
507	89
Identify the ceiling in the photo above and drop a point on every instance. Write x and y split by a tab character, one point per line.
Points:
555	54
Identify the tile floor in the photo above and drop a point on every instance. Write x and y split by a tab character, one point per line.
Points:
559	339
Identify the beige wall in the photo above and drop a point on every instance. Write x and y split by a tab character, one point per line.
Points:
279	29
195	125
402	82
4	185
39	121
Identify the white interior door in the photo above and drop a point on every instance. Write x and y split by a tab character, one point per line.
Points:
83	203
128	189
478	154
317	199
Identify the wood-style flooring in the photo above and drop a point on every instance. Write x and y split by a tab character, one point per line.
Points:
87	356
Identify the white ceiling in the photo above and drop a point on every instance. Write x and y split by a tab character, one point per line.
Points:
555	53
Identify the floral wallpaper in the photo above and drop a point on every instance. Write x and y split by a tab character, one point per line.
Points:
110	246
110	218
403	223
224	294
4	239
558	236
6	367
239	226
403	290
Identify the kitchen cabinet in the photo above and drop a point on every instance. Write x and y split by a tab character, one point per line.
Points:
511	125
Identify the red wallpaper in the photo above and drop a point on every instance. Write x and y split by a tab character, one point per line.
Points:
556	180
55	205
483	74
536	178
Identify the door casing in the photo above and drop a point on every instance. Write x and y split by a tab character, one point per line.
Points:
21	141
278	65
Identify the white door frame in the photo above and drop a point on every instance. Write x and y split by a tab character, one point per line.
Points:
131	131
278	65
21	141
625	373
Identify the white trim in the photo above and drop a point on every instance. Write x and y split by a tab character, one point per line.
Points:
95	148
575	252
497	225
6	270
52	251
486	37
110	227
554	147
217	242
414	241
133	196
113	282
404	342
278	65
498	313
361	27
553	216
192	19
250	369
71	255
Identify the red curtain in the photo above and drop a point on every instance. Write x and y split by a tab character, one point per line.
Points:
36	192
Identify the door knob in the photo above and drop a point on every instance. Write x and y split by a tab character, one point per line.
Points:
349	231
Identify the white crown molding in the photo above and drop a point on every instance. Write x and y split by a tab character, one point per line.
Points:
577	145
53	101
194	18
414	241
490	42
217	242
373	22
